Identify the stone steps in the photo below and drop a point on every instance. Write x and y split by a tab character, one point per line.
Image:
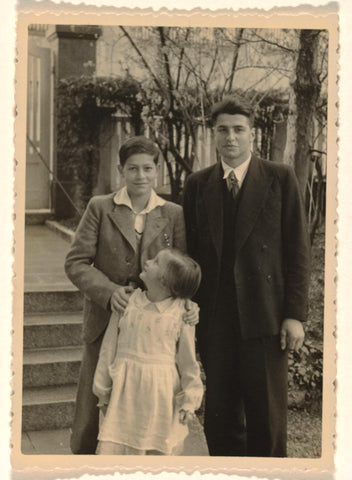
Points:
52	352
48	408
52	299
38	217
51	366
45	330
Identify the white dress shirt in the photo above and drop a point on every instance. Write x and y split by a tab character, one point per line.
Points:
239	171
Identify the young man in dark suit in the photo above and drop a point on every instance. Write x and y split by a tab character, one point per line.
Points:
246	226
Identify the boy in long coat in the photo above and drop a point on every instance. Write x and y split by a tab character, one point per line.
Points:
117	234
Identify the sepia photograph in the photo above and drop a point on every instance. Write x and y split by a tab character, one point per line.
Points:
178	221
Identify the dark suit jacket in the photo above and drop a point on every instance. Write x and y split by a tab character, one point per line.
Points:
103	252
272	251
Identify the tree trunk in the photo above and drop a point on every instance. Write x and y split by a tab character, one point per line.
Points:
304	97
290	147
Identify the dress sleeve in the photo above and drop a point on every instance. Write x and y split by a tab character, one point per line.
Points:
190	396
102	382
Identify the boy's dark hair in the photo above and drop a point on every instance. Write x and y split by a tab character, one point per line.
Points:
232	106
139	144
183	274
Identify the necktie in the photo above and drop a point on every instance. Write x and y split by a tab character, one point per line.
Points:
232	184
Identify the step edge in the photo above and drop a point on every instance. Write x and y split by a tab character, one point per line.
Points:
52	392
50	288
52	318
47	351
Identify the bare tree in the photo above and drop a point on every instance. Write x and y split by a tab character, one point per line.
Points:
187	69
304	99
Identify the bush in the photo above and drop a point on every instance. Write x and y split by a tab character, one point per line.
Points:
306	366
82	105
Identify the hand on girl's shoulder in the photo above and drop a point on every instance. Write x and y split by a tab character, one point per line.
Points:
191	314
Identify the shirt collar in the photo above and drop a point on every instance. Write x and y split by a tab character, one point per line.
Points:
239	171
122	198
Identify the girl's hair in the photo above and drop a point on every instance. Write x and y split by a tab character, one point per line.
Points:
183	274
139	144
232	106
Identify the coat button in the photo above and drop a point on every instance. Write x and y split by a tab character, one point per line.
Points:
264	247
268	278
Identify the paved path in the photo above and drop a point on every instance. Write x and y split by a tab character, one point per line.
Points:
45	252
56	442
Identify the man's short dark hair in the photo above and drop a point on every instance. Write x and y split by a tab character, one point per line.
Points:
138	144
232	106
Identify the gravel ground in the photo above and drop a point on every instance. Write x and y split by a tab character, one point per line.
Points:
304	434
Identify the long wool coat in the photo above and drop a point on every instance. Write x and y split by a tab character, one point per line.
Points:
103	253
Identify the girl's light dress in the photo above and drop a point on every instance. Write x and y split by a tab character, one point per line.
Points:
147	371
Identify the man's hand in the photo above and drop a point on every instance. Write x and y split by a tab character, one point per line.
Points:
292	334
119	299
191	316
185	416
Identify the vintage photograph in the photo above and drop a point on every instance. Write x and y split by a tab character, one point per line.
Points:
175	241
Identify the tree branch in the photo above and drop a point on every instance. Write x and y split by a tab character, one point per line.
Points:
270	42
181	60
141	56
239	35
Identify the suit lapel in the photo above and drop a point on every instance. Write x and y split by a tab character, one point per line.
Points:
255	190
154	224
123	219
213	198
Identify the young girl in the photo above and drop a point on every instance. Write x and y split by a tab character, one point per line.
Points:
147	378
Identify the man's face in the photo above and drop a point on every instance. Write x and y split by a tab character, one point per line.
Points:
233	138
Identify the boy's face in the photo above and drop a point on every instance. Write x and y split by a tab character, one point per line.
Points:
154	270
139	173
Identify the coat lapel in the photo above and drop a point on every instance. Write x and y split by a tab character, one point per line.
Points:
123	219
154	224
255	190
213	198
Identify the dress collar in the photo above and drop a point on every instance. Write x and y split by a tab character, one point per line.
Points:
161	307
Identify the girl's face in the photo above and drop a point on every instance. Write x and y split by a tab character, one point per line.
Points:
139	173
154	270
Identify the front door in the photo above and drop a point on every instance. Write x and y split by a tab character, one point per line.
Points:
38	129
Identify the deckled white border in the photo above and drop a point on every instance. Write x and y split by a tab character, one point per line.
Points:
344	296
